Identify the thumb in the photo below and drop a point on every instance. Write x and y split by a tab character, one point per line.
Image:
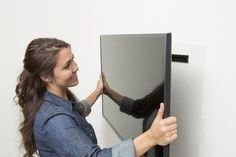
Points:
160	113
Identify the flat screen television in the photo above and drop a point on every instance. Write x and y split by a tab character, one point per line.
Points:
138	67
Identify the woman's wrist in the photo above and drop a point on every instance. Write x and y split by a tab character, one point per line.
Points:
98	92
150	137
93	96
143	143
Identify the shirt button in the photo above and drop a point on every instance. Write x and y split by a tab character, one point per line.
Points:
91	134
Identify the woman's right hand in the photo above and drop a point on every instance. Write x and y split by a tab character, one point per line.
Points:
163	131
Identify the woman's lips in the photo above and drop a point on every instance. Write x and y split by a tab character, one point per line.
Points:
75	77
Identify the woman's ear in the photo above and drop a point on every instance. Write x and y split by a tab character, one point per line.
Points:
46	78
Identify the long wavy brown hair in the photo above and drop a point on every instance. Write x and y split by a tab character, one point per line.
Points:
40	59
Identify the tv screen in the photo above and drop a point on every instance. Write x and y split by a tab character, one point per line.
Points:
138	67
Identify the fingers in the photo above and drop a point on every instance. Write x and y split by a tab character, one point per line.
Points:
168	126
169	123
172	138
172	132
100	76
171	135
171	127
160	113
170	120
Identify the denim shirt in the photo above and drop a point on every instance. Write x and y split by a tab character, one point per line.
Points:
60	131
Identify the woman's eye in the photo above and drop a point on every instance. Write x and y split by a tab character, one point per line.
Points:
67	66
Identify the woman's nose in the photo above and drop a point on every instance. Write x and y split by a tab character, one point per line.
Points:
75	67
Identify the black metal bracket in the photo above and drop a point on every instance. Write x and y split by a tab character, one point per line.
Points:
180	58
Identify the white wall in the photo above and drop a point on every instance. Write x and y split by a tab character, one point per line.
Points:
203	91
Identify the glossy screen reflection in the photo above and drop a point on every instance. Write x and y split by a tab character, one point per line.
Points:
137	67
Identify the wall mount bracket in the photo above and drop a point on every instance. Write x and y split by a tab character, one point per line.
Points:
180	58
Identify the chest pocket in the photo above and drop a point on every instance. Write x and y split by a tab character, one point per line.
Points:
86	127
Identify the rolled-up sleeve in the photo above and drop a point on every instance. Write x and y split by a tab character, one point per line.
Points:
124	149
66	138
85	107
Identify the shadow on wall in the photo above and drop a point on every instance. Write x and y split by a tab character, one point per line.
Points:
187	100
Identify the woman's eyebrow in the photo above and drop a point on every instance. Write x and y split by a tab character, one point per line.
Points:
70	60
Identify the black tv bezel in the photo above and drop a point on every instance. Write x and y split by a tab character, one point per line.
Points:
167	85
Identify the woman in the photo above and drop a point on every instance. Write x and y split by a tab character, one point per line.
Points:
54	119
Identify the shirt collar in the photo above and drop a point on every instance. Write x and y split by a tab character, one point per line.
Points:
59	101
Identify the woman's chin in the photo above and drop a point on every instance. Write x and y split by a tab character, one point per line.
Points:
74	83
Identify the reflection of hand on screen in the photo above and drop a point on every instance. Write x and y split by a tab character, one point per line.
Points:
111	93
143	107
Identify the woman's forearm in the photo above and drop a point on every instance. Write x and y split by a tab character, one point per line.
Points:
116	97
143	143
93	97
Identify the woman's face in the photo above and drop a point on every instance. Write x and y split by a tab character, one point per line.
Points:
65	70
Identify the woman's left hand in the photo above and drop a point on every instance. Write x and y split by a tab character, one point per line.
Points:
100	84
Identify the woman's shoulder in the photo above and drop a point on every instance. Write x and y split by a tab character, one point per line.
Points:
48	110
